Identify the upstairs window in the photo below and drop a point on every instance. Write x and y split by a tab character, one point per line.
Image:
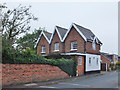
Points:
94	45
73	45
43	49
56	47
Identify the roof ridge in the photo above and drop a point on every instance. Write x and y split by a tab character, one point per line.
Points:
47	32
82	26
107	57
61	27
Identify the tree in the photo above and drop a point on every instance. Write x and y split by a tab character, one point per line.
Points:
28	40
16	22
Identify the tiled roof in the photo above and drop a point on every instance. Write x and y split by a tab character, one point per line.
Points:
48	35
87	33
106	56
62	31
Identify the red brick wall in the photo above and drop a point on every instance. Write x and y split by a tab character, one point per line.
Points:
0	75
25	73
42	42
104	60
56	39
74	36
89	48
80	67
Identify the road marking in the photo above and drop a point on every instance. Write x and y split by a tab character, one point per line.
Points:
47	87
76	84
31	84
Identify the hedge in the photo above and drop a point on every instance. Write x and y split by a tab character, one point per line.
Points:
64	64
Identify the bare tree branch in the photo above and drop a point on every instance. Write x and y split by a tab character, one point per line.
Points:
16	21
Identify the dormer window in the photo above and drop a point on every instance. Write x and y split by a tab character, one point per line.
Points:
74	45
93	38
56	47
94	45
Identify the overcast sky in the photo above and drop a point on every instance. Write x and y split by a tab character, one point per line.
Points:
100	17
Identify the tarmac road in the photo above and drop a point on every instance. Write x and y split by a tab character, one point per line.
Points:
108	80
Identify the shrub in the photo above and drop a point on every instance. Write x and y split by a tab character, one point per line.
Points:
27	58
66	65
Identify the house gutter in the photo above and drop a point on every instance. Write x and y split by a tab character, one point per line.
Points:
72	54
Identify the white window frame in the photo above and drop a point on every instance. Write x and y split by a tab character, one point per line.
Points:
80	60
56	48
72	43
43	49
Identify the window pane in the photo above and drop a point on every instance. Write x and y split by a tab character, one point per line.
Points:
73	45
93	45
43	48
56	46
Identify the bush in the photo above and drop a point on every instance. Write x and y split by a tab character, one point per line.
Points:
27	58
66	65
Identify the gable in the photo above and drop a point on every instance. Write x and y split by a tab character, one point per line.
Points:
86	34
55	30
76	30
56	37
74	35
42	33
42	40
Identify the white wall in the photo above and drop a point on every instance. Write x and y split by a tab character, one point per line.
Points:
93	66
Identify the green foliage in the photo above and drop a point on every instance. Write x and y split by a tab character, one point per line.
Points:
14	23
118	65
28	57
8	51
28	40
114	67
72	67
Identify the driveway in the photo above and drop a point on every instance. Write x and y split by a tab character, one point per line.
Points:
108	80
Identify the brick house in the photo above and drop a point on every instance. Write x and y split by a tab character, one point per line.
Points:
42	44
106	61
56	43
76	41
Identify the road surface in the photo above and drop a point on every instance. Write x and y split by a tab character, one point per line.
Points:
108	80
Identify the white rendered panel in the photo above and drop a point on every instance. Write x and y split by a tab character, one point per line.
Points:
94	65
